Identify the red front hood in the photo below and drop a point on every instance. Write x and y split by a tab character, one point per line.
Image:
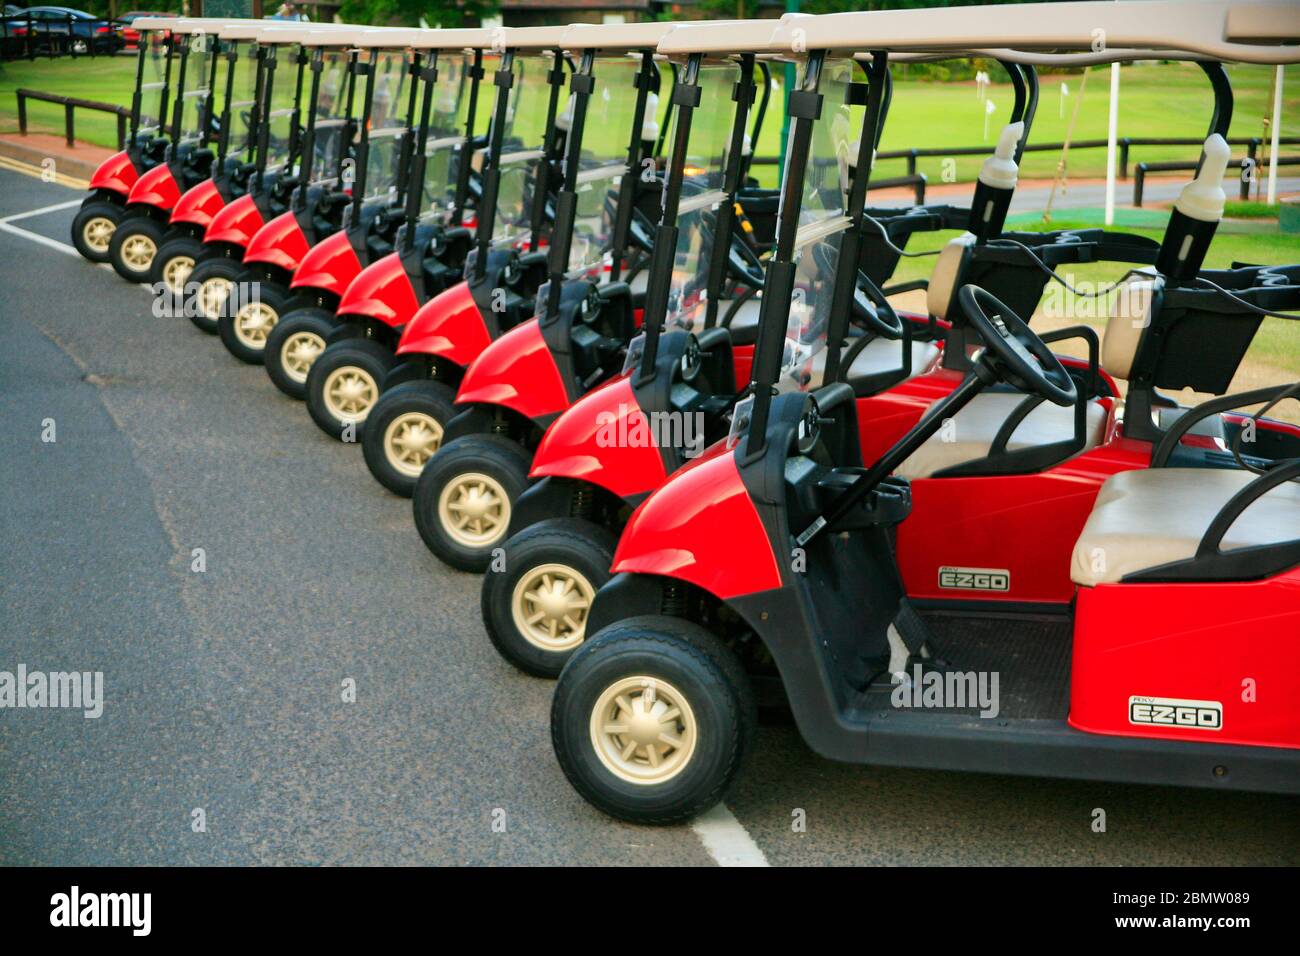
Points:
382	291
448	325
116	174
157	187
198	204
604	439
518	372
701	526
235	223
280	243
330	265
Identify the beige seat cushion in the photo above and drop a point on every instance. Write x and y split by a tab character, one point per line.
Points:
1153	516
971	433
640	282
881	356
744	324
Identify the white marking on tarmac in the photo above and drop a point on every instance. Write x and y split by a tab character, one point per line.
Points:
44	209
726	839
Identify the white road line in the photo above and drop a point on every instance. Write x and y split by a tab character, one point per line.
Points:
35	237
44	209
726	840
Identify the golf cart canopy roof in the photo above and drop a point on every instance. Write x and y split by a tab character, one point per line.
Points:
469	39
528	38
154	23
721	36
203	24
1259	32
615	36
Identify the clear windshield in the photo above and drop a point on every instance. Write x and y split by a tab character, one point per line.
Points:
280	106
702	195
198	79
822	223
523	139
602	159
242	95
448	116
710	126
153	83
331	130
387	125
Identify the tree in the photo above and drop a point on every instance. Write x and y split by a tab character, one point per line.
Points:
443	13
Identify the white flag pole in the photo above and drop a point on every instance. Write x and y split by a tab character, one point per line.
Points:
1277	130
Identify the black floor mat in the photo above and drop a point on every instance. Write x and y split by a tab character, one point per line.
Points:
1031	657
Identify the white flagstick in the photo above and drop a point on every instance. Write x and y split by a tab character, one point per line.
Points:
1112	134
1065	91
989	107
1277	129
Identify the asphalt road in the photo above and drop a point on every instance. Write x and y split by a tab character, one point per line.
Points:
223	687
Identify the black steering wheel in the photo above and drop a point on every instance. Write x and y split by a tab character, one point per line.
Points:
871	305
1021	356
745	264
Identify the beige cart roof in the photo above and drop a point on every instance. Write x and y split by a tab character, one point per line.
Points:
474	39
1260	32
721	36
616	36
527	38
153	23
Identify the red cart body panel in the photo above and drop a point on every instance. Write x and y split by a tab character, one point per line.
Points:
157	188
198	204
516	372
330	265
116	174
381	291
235	223
449	325
280	242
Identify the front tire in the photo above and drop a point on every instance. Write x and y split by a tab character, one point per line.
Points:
404	430
651	720
174	264
245	325
212	280
535	609
464	496
293	346
134	246
93	226
343	384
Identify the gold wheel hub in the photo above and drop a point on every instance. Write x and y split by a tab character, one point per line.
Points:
97	233
300	351
474	510
177	272
212	297
643	730
411	440
138	252
254	322
550	605
349	394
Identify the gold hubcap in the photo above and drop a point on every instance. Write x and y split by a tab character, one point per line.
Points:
349	393
299	352
644	730
212	297
410	440
254	322
550	606
474	509
97	233
138	252
177	272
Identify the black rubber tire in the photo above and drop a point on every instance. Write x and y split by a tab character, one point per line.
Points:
685	656
494	455
308	321
427	397
582	545
370	356
90	210
128	227
272	297
176	247
218	267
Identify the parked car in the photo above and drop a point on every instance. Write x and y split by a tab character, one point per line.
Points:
132	37
84	31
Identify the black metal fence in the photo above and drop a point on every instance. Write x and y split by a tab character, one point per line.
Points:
70	105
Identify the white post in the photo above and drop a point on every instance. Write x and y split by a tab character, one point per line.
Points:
1277	130
1112	135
